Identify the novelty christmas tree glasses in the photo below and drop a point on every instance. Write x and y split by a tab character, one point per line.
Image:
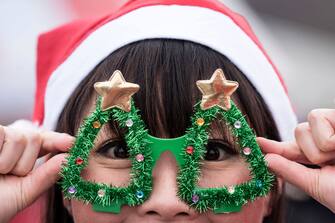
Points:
115	103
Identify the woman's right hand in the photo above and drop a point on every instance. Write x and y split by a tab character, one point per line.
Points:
20	183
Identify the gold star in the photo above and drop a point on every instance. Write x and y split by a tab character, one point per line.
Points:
116	92
216	91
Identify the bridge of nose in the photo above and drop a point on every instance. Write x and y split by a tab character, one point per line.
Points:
160	145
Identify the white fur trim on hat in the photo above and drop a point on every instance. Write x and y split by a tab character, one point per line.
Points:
197	24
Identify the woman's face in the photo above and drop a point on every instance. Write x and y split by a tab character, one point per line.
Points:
108	164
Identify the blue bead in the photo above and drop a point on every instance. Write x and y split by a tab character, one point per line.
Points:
139	194
259	183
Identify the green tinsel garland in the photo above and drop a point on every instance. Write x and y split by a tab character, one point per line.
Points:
213	198
140	185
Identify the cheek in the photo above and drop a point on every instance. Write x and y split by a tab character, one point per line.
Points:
231	172
83	213
103	173
109	173
252	212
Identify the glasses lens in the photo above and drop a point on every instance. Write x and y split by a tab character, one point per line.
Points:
223	163
108	163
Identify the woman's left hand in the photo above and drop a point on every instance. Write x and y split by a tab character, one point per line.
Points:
315	144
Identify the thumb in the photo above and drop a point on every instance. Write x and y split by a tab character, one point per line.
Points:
41	179
295	173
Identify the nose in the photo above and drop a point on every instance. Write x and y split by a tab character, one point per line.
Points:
163	203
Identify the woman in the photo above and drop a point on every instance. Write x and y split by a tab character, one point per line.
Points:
165	47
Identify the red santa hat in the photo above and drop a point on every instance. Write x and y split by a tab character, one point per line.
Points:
67	54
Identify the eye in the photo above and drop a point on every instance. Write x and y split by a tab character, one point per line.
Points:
114	150
218	150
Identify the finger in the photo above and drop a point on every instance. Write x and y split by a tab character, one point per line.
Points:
55	142
41	179
323	129
290	150
2	137
295	173
12	148
306	143
28	159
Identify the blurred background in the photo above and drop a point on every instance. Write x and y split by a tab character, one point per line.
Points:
299	36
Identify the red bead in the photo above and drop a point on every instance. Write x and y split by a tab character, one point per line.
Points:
189	150
79	161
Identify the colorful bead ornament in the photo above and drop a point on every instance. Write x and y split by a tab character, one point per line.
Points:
79	161
129	123
231	189
96	124
195	198
259	183
72	190
246	151
139	157
200	121
101	193
189	150
139	194
237	124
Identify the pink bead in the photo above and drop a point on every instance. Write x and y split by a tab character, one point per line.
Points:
195	198
139	157
246	151
231	189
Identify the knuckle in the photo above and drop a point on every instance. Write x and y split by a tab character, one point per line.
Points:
327	145
2	135
299	130
312	185
19	139
35	138
4	167
314	114
317	158
20	171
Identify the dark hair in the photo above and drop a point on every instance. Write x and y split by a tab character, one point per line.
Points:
166	70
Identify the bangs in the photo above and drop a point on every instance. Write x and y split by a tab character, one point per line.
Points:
167	71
